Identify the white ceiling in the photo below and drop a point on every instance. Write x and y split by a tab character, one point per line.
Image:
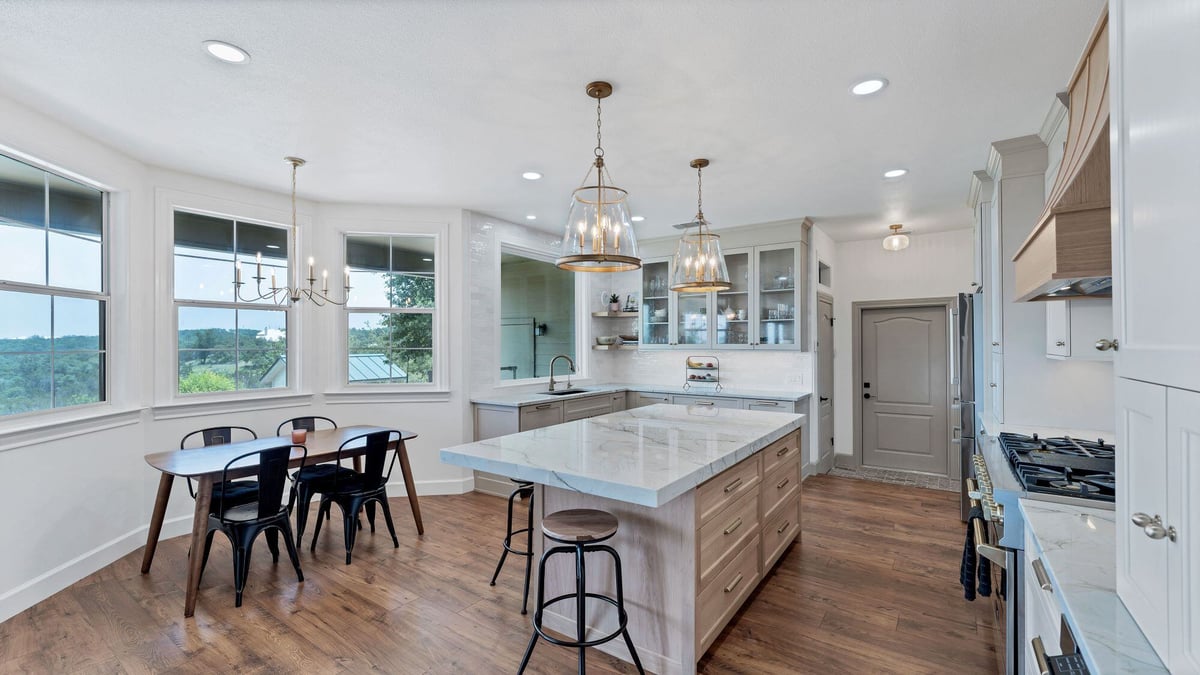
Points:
447	102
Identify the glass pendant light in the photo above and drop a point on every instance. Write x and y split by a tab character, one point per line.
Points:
699	264
599	234
897	240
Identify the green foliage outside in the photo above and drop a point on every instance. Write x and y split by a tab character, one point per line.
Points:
26	373
217	359
199	381
405	340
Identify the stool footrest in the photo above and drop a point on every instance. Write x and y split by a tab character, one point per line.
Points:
622	620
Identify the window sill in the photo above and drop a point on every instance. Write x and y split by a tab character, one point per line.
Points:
204	406
59	425
351	396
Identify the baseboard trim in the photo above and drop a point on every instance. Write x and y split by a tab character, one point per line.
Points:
27	594
825	464
806	470
845	461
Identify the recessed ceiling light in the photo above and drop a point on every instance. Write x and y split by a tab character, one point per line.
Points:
531	175
868	86
226	52
272	245
894	173
427	259
638	219
531	217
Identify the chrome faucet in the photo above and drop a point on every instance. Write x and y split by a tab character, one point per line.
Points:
570	363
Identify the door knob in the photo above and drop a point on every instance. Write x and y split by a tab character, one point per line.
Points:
866	396
1060	343
1156	531
824	398
1142	519
1105	345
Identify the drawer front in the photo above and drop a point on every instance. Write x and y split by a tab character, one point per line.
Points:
726	534
780	530
617	401
541	415
713	401
725	593
779	486
770	406
582	408
640	399
725	488
782	450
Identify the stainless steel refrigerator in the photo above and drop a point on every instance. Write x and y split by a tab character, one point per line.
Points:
967	382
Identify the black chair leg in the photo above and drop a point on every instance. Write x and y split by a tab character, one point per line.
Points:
322	509
499	566
528	556
349	520
637	662
580	606
537	612
370	515
304	498
291	549
387	519
273	544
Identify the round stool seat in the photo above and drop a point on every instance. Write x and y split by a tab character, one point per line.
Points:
579	525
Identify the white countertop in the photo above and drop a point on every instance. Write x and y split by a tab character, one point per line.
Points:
646	456
517	399
1078	548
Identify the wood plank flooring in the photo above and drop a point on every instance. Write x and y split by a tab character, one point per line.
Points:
872	588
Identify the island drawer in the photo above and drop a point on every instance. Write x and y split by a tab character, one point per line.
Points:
781	451
590	406
779	531
726	534
726	487
779	486
717	602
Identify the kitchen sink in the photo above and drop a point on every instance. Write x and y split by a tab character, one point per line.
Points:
564	392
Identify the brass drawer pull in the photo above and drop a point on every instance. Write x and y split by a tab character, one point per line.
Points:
783	451
1039	571
774	403
734	584
783	482
786	524
733	526
733	486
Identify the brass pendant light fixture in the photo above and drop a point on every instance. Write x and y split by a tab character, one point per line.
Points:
699	264
599	233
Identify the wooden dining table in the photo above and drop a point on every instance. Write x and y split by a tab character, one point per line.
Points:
206	465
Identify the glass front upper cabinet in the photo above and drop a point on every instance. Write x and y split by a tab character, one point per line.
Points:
733	308
778	307
692	322
656	305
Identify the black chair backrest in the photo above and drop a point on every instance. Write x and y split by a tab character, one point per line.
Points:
308	423
272	476
376	456
216	435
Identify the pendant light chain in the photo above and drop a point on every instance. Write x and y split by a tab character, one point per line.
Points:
599	150
700	195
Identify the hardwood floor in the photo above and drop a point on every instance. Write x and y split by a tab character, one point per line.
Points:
872	588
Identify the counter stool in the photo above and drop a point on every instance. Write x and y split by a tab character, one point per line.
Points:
524	491
580	531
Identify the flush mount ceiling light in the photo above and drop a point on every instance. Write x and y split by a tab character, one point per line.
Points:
599	235
531	175
638	219
223	51
895	173
531	217
897	240
699	264
867	87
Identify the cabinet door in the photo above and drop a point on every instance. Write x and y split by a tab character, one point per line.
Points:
656	305
639	399
733	311
996	386
1142	562
778	297
1155	174
617	401
1183	513
588	406
691	324
541	415
1058	328
993	287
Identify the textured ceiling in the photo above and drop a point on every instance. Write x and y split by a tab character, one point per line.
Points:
446	103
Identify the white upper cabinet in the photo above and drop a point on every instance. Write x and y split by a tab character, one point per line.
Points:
1058	328
1183	513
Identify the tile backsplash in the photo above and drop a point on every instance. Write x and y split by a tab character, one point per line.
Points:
770	370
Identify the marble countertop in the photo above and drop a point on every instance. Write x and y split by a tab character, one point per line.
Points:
517	399
1078	548
646	456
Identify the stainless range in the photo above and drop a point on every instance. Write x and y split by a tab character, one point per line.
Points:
1015	466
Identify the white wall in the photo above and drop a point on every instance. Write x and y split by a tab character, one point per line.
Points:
933	266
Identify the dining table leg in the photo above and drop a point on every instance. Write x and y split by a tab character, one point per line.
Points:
204	487
410	487
165	481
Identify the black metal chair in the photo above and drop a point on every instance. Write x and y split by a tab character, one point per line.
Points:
230	493
304	478
244	522
524	490
368	487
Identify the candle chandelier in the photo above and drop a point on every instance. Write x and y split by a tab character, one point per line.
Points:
296	291
699	264
599	234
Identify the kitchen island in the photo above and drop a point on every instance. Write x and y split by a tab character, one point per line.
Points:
708	500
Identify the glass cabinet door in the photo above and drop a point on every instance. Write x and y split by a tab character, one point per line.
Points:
691	326
656	305
777	297
733	311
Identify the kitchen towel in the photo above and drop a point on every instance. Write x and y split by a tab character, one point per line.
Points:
973	566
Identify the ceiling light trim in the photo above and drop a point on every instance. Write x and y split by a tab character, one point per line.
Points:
226	52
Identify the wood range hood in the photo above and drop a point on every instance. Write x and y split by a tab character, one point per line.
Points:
1069	253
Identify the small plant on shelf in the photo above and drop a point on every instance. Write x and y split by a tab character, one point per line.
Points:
614	303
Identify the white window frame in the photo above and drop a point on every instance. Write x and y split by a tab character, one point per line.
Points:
103	295
167	202
440	234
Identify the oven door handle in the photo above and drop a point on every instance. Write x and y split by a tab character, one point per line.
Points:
997	555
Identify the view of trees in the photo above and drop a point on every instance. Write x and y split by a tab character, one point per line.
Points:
26	373
405	340
218	359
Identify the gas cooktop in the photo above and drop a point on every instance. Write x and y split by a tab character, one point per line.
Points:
1064	466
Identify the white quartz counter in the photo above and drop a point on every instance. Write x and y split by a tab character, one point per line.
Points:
1078	548
646	456
517	399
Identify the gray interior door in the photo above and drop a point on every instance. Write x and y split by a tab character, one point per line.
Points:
905	389
825	382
